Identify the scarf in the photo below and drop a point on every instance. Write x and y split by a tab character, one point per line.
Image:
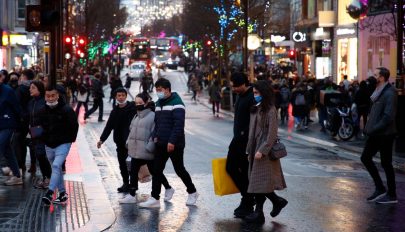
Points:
377	92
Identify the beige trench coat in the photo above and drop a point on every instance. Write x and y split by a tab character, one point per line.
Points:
265	175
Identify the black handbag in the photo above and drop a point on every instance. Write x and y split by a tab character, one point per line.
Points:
36	131
278	150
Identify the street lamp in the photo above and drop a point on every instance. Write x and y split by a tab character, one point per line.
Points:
254	42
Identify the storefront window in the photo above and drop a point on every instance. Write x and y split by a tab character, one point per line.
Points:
21	9
347	59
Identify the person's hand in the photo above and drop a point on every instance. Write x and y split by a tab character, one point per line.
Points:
99	144
258	155
170	147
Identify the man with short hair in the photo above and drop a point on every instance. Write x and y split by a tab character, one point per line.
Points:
98	94
237	163
19	142
60	129
119	122
170	141
381	130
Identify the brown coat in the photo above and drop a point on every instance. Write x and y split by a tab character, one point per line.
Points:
265	175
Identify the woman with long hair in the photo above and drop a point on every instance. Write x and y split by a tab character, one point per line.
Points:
36	107
265	175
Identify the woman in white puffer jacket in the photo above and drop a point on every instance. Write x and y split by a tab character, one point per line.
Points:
141	146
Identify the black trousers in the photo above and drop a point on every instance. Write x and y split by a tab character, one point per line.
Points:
159	164
79	104
37	147
122	155
237	166
383	144
215	105
135	167
97	103
19	145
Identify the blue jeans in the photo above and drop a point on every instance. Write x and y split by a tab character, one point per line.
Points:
7	152
57	157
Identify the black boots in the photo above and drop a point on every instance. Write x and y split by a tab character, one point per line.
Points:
278	205
257	216
244	209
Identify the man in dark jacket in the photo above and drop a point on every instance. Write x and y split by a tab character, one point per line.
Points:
119	121
381	130
10	112
98	94
60	127
19	142
170	142
237	163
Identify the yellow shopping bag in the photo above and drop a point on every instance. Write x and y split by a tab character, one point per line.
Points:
223	184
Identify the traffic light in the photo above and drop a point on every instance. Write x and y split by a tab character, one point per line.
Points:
43	17
81	47
208	43
68	46
291	54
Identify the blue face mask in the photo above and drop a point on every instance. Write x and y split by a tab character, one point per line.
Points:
258	99
160	95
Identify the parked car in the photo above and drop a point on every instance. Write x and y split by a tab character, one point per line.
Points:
136	70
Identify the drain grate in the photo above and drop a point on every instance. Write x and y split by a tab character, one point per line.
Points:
34	216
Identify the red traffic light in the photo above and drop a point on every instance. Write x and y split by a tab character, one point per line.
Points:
209	42
291	53
68	40
82	41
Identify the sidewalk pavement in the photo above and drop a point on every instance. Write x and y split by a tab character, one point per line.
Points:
88	207
314	135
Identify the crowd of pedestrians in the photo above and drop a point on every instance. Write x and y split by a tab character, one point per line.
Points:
152	133
35	114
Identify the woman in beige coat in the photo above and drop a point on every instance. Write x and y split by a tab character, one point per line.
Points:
265	175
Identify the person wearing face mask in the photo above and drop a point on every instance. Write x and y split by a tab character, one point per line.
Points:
60	129
169	137
13	82
119	122
141	146
36	107
265	175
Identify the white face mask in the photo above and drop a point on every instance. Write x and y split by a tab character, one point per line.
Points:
52	104
121	102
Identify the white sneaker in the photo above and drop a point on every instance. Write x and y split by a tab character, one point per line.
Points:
128	199
6	171
192	198
14	181
169	194
150	203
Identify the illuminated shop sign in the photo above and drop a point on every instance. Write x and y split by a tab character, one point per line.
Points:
299	37
345	31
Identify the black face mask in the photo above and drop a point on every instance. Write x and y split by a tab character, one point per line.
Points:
140	107
13	83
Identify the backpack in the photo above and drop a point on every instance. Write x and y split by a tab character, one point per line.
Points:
300	100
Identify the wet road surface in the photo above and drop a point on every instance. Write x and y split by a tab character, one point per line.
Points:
326	189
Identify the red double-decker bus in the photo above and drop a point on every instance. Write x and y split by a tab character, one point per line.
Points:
140	51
